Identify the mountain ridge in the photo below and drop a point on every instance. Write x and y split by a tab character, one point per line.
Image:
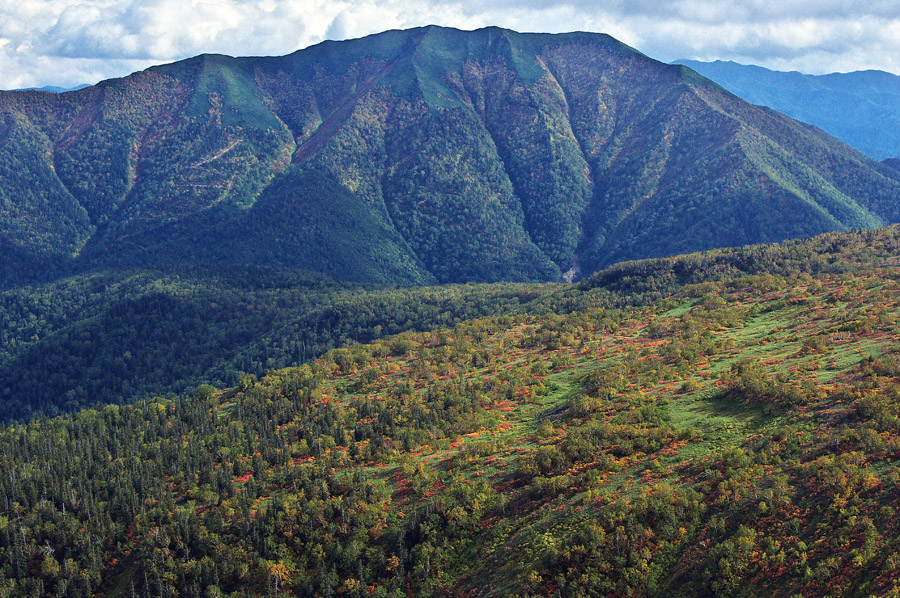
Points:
858	107
433	155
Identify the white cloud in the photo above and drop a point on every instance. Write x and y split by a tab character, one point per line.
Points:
357	20
66	42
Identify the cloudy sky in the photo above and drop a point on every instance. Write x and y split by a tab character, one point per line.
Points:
67	42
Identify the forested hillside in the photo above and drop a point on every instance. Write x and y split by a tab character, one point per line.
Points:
118	336
737	438
414	157
114	337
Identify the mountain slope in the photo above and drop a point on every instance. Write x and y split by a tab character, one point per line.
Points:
859	108
124	336
738	439
416	156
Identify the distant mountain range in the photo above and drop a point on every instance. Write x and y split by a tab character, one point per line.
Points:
54	88
861	108
418	156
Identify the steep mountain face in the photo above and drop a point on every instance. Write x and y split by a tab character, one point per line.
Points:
861	108
418	156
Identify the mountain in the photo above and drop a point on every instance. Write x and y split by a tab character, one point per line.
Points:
738	438
55	88
414	157
861	108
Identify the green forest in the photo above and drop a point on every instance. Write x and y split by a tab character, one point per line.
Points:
117	336
716	424
120	336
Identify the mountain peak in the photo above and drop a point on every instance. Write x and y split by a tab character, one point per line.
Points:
429	154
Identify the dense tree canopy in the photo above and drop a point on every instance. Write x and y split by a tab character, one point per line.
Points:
737	437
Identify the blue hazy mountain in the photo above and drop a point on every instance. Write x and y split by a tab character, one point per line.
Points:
55	88
861	108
